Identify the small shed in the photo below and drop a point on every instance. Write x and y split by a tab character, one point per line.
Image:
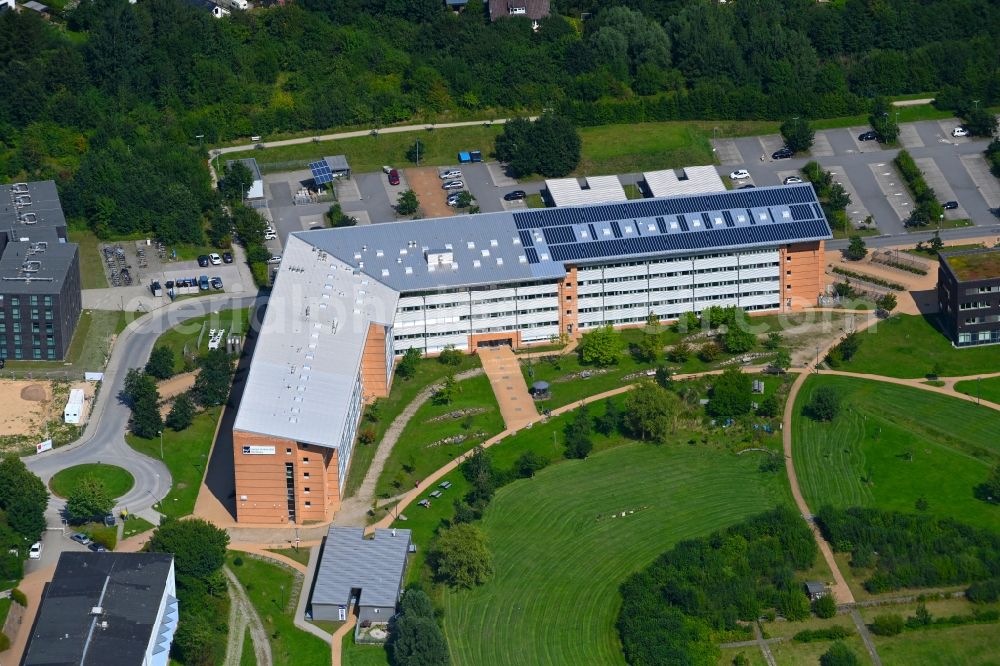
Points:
74	407
816	590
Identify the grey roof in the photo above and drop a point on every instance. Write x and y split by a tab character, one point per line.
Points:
26	268
535	9
132	585
337	163
248	162
351	561
815	586
492	248
44	211
309	347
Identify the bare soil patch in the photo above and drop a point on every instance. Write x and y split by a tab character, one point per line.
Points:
424	181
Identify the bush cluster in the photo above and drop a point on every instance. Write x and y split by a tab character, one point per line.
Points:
865	277
993	157
833	633
928	209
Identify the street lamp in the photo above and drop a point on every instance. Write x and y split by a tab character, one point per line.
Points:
975	103
161	444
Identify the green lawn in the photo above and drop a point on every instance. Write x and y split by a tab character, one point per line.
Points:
354	654
101	533
969	645
89	347
892	444
418	451
183	338
136	525
247	655
92	275
931	254
560	556
300	555
943	224
185	454
402	393
273	589
615	149
907	114
534	201
987	389
117	480
911	346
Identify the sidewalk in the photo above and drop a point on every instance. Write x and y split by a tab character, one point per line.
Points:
516	404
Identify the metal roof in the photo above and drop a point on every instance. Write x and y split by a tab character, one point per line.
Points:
337	163
493	248
689	180
34	255
127	587
41	209
351	561
594	190
309	348
248	162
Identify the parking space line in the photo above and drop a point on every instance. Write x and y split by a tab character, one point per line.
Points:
856	211
946	127
727	152
986	183
771	143
909	137
821	146
863	146
935	178
892	186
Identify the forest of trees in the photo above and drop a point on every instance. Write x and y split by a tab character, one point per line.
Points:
111	99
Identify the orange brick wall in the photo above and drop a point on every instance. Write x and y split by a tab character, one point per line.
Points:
802	274
568	312
373	363
261	479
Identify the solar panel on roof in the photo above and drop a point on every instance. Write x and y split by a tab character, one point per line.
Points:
662	224
728	217
681	220
526	240
321	172
616	229
531	254
558	235
593	231
801	212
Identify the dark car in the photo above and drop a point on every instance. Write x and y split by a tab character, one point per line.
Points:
97	548
393	177
82	539
868	136
950	205
203	282
227	257
203	260
516	195
476	155
745	187
216	283
782	153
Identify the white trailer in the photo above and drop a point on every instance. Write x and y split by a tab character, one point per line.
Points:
74	407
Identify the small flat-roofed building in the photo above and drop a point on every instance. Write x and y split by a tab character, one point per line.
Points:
816	590
329	169
368	572
106	609
969	296
593	190
689	180
533	9
256	190
40	299
73	411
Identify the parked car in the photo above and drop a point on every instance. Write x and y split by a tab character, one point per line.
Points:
270	235
453	185
870	135
203	283
110	520
782	153
217	283
950	205
276	259
215	259
748	186
387	169
739	174
35	552
97	548
476	155
450	173
516	195
792	180
960	131
227	257
203	260
82	539
394	177
156	288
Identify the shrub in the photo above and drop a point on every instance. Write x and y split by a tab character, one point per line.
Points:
4	642
890	624
825	606
839	655
366	435
824	405
833	633
19	597
984	592
450	356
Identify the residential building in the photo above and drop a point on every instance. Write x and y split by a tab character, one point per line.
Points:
106	609
347	301
969	296
39	274
360	572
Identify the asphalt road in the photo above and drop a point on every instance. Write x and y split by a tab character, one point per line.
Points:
103	439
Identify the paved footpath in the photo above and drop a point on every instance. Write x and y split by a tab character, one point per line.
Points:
516	404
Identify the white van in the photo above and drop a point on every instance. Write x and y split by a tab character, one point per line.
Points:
36	551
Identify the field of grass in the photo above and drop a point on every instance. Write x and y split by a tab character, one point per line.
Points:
790	653
534	201
415	455
90	344
185	454
136	525
92	275
907	114
101	533
117	480
560	556
273	589
614	149
943	224
987	389
354	654
912	346
891	445
300	555
183	338
402	393
247	656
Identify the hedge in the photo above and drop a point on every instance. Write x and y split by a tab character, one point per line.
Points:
869	278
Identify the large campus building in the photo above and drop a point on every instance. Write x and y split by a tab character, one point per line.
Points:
347	301
39	274
969	296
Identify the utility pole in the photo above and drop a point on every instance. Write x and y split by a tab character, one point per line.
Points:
161	444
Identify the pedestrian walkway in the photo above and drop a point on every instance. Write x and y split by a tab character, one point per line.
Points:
516	405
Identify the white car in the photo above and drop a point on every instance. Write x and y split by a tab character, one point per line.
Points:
960	131
270	235
739	174
793	180
215	259
451	173
453	185
276	259
36	551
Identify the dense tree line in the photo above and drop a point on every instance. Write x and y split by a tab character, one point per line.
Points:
23	498
116	102
911	550
670	609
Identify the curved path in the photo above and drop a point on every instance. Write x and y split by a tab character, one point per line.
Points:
103	439
243	616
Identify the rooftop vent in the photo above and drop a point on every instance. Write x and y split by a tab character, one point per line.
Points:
493	243
379	253
470	245
476	263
